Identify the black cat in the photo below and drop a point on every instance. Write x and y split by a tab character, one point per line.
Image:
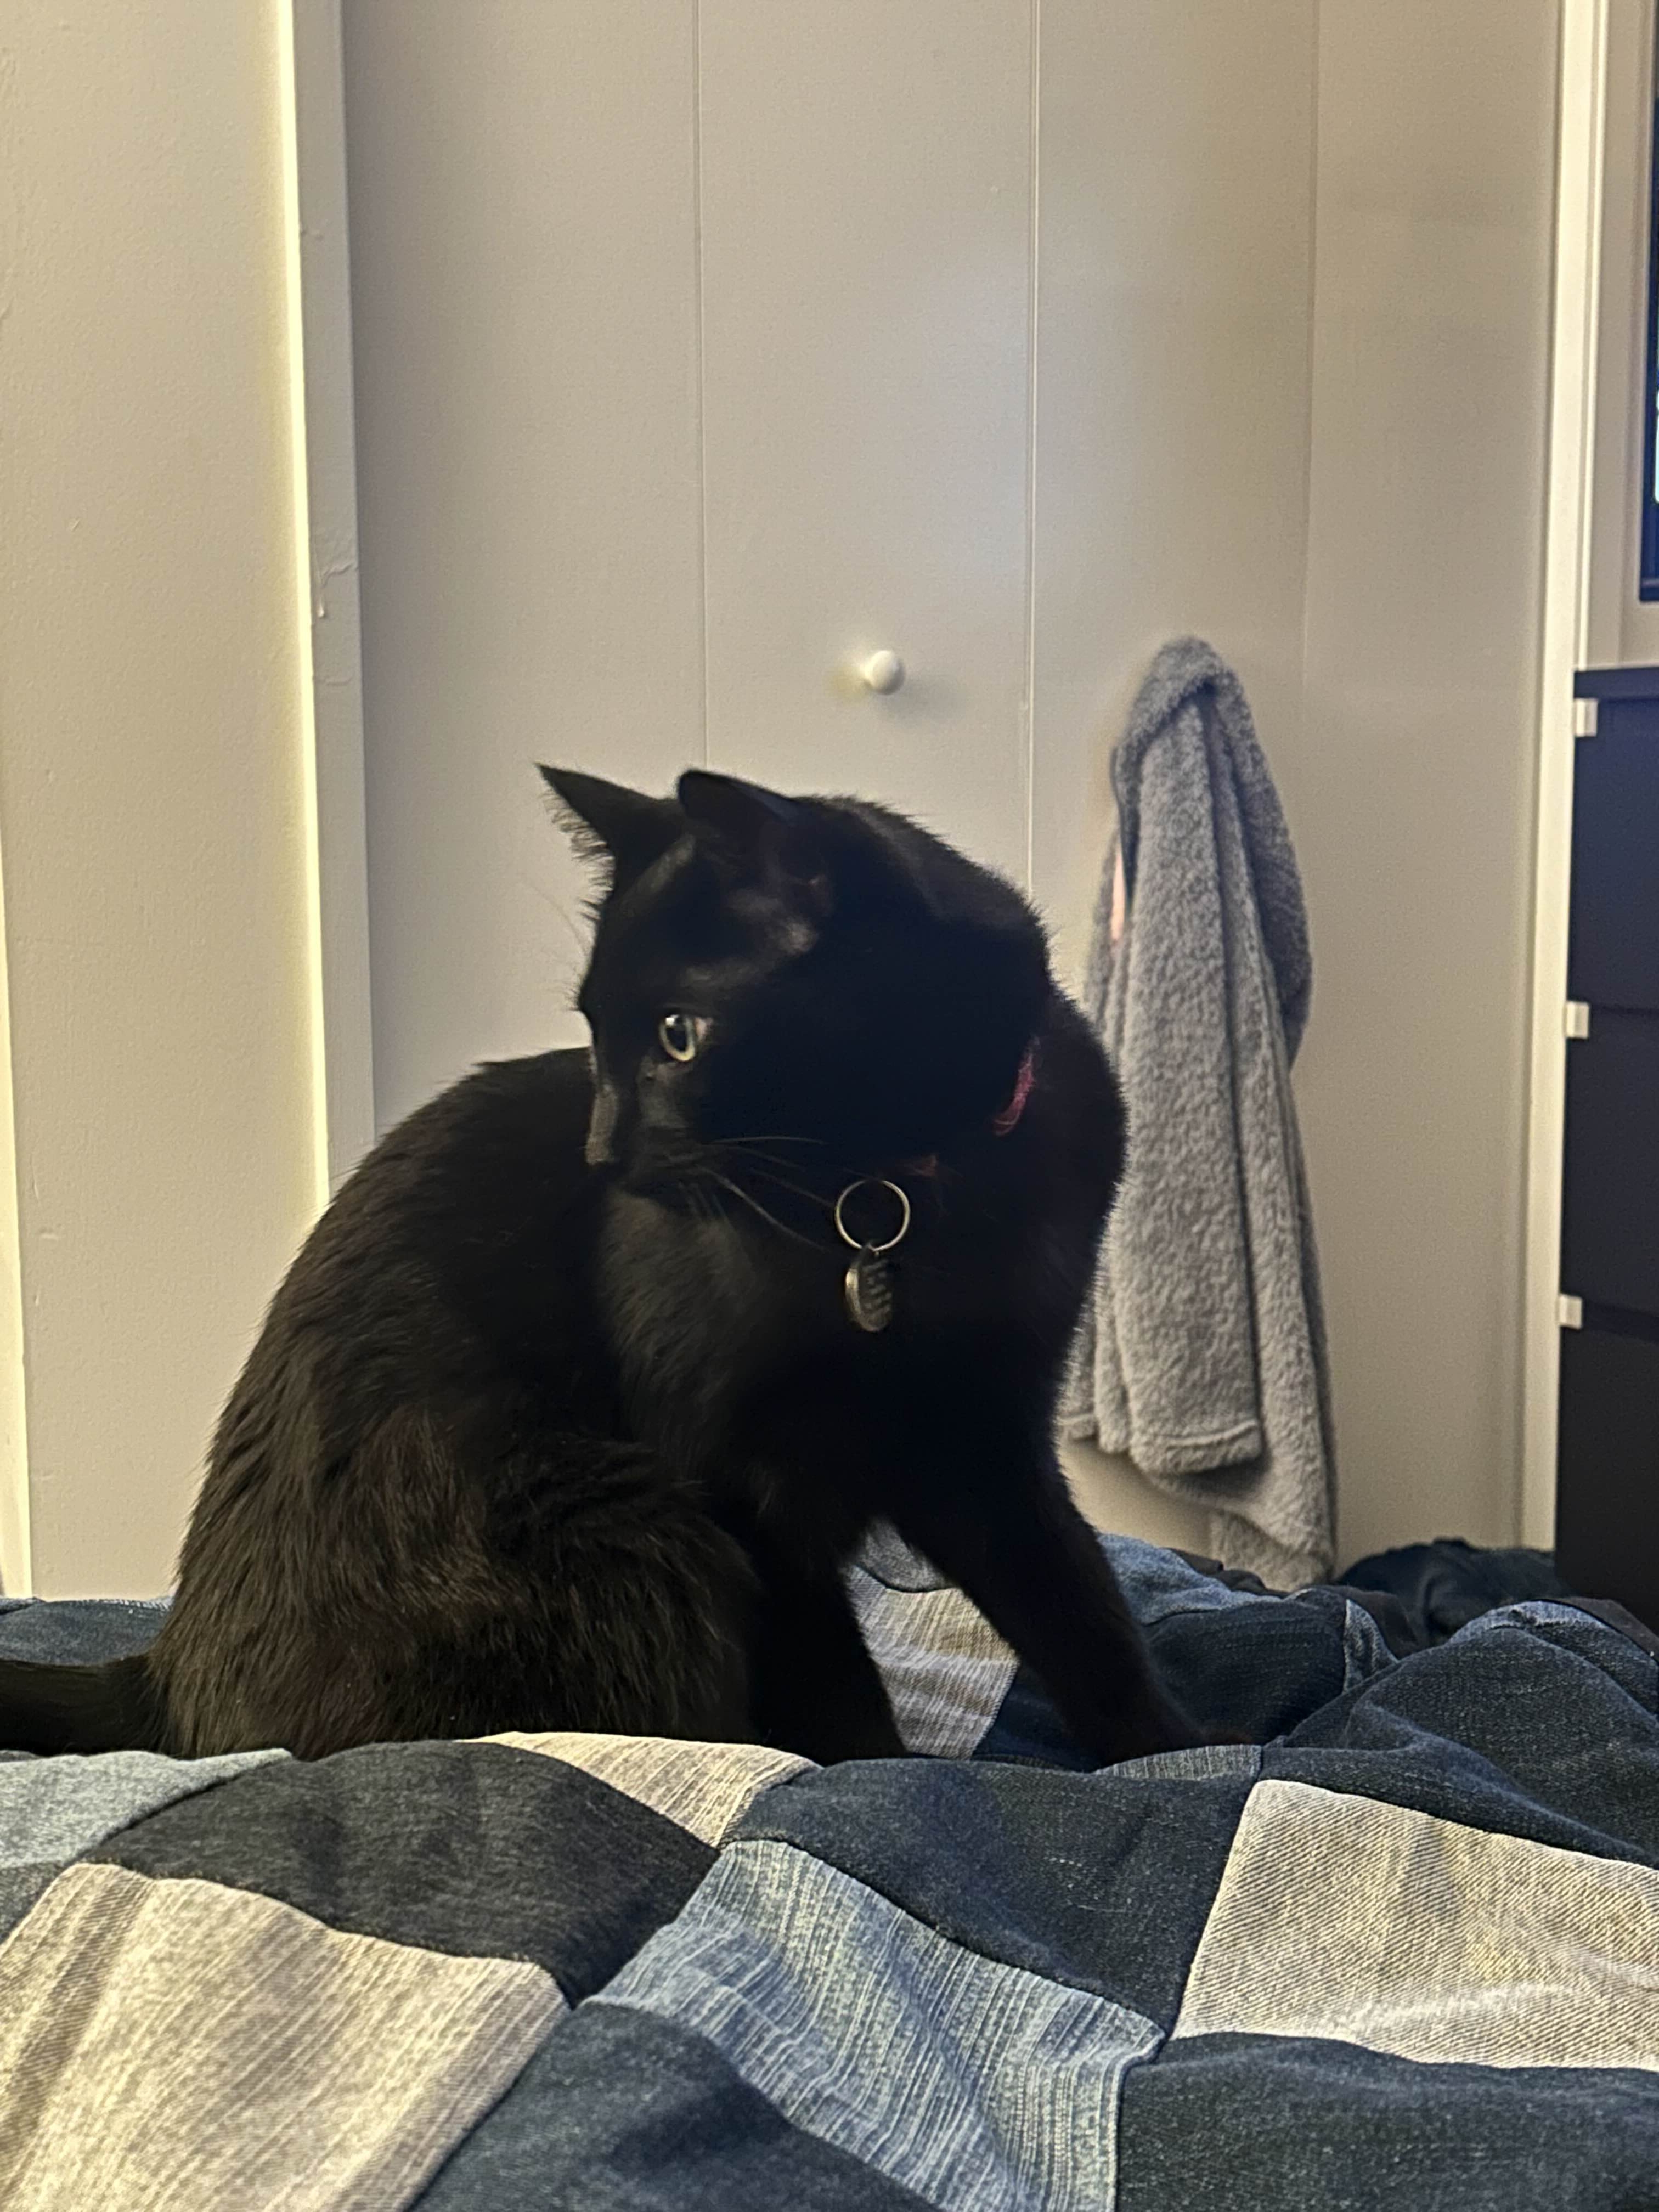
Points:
581	1393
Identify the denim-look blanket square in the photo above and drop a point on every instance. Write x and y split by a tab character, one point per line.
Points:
1401	1947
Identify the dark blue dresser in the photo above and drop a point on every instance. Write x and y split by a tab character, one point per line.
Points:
1607	1458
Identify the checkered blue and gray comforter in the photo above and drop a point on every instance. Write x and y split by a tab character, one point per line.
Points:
1404	1953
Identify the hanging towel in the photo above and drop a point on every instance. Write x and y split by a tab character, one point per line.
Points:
1202	1354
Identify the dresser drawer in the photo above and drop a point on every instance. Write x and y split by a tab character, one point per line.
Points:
1607	1501
1610	1194
1613	958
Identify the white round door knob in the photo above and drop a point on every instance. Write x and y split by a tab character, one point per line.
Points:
883	672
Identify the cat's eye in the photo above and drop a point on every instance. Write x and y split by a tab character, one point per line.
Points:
681	1035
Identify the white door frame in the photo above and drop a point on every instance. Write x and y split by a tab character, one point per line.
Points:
16	1562
1589	397
319	286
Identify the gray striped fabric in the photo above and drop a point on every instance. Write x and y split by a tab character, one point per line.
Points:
1346	1917
977	2085
947	1671
186	2046
705	1788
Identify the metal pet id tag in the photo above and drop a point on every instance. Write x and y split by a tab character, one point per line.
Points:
869	1286
868	1282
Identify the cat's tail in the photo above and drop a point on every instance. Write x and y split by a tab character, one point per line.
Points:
115	1706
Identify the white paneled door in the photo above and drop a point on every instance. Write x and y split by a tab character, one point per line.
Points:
866	284
523	210
692	350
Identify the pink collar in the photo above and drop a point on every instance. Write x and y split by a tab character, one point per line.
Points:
1003	1124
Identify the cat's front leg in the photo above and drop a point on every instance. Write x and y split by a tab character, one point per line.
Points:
1004	1529
815	1688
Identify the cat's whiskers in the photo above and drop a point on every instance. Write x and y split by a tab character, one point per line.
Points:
694	1174
768	1174
755	1205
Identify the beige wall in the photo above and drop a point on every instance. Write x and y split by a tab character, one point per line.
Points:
150	789
1411	786
1363	365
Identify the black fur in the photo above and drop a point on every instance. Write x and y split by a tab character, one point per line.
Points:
559	1421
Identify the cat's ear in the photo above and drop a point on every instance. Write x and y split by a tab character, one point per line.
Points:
607	821
760	839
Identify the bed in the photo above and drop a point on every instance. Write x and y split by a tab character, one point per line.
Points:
1402	1949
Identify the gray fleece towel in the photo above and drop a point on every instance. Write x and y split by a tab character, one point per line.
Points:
1203	1355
